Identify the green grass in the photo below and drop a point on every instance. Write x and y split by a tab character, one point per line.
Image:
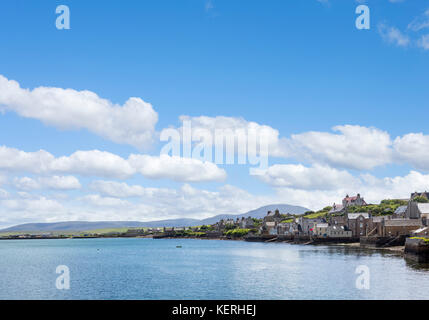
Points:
426	240
105	231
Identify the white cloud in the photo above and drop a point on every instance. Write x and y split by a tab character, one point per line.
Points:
54	183
234	127
355	147
307	178
151	204
348	146
413	148
393	35
93	163
133	123
99	201
117	189
373	189
105	164
176	168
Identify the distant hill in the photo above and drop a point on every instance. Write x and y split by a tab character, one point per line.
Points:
86	225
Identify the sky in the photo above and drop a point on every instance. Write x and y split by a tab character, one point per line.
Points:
342	110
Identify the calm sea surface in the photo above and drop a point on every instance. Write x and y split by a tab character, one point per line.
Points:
201	269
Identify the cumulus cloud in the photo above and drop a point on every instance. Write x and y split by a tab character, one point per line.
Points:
105	164
413	148
347	146
54	183
133	123
108	203
298	176
176	168
353	147
233	128
372	188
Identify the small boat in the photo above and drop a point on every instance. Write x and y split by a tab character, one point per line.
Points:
178	246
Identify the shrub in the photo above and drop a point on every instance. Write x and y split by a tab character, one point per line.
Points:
236	233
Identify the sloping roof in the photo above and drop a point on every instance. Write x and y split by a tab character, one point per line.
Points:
350	198
338	208
353	216
423	207
401	210
322	225
403	223
420	230
377	219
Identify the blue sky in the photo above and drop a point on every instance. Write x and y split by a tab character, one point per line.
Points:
295	66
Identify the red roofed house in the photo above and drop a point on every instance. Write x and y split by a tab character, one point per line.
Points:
353	201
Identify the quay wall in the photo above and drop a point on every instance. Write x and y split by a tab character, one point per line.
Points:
417	250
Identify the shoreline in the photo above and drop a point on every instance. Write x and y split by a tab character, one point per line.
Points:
399	250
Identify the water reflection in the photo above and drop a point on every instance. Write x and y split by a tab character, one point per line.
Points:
418	266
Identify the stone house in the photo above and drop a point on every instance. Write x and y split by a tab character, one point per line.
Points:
400	212
376	226
271	227
419	194
354	201
321	229
307	225
247	223
287	228
399	227
417	210
338	232
338	220
358	223
273	216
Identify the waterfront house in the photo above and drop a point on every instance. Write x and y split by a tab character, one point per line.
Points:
400	212
338	220
376	226
401	227
229	222
271	227
287	228
273	216
417	210
338	232
358	223
321	229
307	225
247	223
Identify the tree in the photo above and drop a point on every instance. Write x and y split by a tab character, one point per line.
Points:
421	199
